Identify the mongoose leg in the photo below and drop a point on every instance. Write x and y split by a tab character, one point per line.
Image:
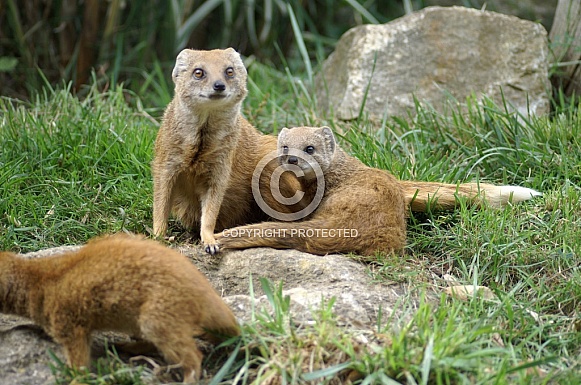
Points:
163	184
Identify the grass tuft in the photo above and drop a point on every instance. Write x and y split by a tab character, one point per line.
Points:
107	371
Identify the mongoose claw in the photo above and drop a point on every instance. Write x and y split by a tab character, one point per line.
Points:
212	249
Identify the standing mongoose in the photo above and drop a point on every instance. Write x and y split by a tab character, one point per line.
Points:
206	154
120	283
363	209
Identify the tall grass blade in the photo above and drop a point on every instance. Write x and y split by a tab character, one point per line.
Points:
221	374
117	61
427	361
408	7
367	87
267	21
194	21
326	372
301	44
362	11
250	7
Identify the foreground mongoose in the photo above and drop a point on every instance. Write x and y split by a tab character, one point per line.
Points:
362	210
206	154
121	283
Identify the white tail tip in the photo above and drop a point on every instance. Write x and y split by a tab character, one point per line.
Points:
518	193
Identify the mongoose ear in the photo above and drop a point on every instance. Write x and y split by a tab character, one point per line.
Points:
282	134
181	63
329	138
235	57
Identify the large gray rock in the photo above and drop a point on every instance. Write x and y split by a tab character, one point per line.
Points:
432	54
308	280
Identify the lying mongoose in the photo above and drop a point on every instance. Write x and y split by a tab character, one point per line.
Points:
120	283
206	154
363	209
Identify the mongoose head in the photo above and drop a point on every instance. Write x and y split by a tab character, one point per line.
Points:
302	146
210	79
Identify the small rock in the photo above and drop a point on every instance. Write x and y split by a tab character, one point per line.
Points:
465	292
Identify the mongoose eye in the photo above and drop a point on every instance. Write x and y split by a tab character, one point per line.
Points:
310	150
285	149
230	72
199	73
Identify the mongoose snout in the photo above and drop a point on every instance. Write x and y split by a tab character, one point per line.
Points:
219	86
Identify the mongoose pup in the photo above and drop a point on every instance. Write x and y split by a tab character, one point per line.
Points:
363	209
121	283
206	152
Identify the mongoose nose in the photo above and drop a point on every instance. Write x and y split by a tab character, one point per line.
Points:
293	160
219	86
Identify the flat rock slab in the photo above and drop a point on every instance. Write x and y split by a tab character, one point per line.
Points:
435	55
307	279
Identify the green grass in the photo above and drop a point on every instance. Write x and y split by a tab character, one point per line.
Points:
71	169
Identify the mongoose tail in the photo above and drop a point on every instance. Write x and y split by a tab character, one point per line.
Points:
221	329
423	196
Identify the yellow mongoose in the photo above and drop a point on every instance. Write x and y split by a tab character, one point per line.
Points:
362	210
206	154
121	283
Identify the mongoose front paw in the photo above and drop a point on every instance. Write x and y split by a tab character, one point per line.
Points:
212	249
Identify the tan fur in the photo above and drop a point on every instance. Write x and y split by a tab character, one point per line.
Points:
119	283
367	202
206	152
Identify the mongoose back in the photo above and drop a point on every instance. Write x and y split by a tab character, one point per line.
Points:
206	152
120	283
363	209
